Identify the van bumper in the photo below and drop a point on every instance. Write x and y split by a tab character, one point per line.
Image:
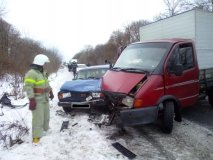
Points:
139	116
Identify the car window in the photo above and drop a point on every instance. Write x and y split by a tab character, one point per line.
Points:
82	65
91	73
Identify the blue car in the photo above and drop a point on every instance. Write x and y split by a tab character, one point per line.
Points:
84	91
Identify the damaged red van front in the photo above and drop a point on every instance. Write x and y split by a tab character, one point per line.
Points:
142	84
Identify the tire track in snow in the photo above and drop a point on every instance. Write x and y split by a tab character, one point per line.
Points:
156	144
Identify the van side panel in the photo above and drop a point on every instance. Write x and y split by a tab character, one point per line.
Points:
151	90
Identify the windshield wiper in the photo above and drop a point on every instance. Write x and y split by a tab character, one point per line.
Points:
116	68
138	70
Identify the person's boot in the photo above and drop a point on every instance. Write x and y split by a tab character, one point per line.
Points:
36	140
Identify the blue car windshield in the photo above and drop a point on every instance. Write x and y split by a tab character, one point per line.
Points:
96	73
144	56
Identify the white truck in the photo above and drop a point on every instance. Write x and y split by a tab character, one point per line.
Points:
170	69
195	24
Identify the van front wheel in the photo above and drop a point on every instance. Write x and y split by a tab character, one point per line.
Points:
168	116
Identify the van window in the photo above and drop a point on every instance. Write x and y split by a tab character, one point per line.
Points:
183	54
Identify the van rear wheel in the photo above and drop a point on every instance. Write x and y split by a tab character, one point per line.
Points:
168	116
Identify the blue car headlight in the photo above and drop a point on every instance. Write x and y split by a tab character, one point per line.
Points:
64	95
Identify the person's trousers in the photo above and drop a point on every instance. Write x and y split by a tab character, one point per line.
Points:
40	119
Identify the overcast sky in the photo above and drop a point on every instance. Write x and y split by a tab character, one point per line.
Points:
70	25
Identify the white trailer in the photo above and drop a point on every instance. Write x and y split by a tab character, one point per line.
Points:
195	24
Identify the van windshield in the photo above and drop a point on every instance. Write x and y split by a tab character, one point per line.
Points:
142	56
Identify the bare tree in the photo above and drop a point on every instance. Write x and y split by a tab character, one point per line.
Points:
4	39
16	53
132	30
202	4
118	38
2	8
108	51
174	7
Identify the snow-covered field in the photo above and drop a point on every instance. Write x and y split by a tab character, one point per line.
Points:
85	140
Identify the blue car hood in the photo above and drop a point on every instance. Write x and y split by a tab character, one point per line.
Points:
82	85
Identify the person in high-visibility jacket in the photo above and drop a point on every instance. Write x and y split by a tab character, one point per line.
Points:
38	91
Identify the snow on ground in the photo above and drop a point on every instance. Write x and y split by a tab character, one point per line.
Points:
85	140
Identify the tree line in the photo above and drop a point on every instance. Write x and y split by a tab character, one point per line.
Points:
130	33
102	52
17	53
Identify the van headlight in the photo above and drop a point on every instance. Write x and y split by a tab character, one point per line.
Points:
128	101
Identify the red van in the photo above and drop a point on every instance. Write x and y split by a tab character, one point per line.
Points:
153	80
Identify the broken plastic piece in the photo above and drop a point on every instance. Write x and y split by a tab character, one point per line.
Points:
124	150
64	125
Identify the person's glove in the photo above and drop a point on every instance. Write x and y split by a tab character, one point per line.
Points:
51	95
32	105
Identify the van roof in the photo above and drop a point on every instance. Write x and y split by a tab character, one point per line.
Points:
172	40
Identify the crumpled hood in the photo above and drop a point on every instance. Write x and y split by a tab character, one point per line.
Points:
121	82
82	85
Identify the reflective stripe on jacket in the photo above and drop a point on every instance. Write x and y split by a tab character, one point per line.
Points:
36	85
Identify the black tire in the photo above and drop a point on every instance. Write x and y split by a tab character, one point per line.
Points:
168	116
67	109
210	97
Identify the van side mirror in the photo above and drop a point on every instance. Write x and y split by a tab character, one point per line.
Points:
178	69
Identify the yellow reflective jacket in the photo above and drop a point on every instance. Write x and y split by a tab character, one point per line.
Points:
36	85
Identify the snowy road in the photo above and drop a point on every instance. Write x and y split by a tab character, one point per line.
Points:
200	114
187	141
